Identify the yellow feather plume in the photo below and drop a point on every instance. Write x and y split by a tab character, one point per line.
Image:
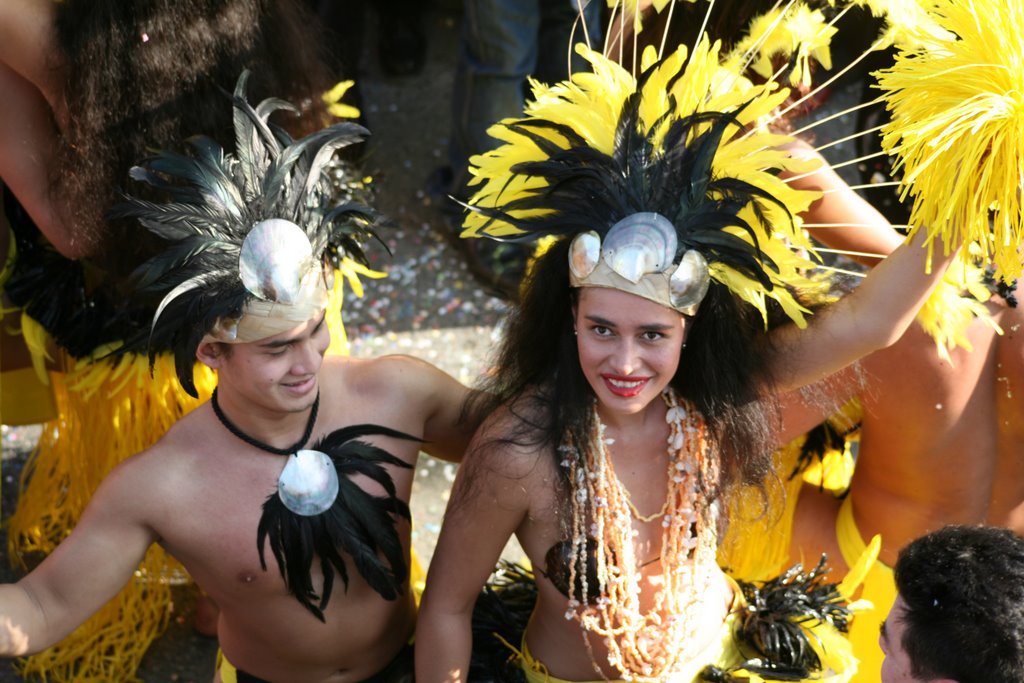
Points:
37	341
953	306
779	35
958	128
907	23
335	107
632	10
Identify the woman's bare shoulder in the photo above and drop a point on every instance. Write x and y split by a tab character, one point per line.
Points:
511	442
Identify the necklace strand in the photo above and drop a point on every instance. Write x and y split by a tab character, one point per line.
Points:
231	427
643	645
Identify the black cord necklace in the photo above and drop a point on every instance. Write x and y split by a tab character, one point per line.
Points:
231	427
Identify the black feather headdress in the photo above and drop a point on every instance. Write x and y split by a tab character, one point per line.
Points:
676	162
267	211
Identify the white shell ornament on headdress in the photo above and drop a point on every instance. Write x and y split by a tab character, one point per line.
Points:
639	244
689	282
308	484
274	258
584	254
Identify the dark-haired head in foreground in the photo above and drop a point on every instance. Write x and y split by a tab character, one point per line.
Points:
959	615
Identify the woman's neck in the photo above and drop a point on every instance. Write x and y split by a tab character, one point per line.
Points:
652	413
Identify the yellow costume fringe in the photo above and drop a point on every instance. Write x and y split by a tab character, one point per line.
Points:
958	128
107	411
954	305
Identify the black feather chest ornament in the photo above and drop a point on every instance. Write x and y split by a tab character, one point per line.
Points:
318	512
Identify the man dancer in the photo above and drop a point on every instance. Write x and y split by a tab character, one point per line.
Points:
271	466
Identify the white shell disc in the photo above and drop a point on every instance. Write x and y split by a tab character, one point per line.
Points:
689	282
584	253
639	244
308	484
275	256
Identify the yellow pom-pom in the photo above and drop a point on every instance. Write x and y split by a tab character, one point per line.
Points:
958	128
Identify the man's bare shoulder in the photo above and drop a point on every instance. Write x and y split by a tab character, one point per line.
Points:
168	462
386	376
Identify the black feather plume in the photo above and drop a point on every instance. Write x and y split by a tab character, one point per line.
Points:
774	629
500	615
216	198
358	524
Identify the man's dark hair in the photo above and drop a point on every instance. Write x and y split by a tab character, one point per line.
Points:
963	588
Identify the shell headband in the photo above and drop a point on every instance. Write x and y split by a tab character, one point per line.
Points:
638	256
288	285
248	234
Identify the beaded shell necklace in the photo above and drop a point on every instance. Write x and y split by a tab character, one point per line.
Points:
643	645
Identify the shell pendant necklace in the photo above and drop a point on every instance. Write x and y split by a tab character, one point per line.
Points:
308	484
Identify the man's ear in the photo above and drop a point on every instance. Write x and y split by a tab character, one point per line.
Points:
210	354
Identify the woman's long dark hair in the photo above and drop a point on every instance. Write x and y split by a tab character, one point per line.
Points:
147	74
722	370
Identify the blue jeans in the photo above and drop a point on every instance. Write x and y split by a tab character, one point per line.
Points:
503	42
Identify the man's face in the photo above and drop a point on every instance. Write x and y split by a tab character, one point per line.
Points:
896	666
279	373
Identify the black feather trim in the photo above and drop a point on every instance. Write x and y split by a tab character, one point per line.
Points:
501	613
773	631
358	525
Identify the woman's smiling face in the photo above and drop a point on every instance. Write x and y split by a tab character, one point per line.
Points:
628	346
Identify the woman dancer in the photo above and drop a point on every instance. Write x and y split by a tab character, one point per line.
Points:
644	324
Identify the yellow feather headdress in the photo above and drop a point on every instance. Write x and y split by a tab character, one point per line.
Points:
599	147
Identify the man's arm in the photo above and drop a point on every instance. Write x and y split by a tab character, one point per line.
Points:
440	399
85	571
